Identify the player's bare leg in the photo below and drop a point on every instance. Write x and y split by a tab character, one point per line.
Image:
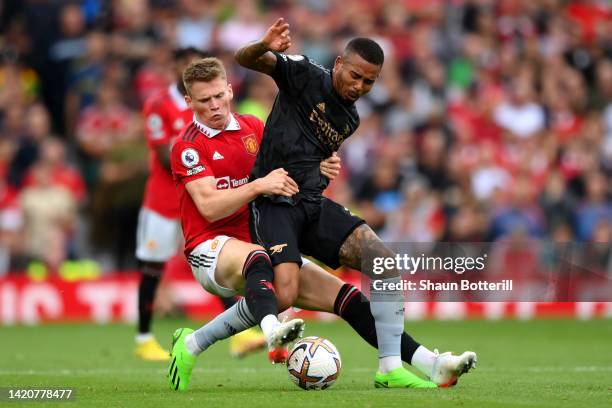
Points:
286	282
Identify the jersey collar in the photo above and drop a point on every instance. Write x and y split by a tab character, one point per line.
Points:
210	132
177	98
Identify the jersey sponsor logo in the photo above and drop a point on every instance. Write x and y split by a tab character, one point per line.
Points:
277	249
325	131
217	156
195	170
155	126
223	183
190	157
240	182
250	144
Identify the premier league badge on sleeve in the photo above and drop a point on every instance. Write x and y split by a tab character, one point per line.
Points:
190	157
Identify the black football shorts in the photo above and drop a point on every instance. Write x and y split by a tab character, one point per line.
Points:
316	229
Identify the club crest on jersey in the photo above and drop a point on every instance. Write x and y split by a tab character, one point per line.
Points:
250	144
190	157
214	245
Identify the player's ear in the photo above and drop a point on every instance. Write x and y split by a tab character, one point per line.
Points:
338	63
188	100
230	91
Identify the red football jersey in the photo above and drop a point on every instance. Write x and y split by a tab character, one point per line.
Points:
226	155
165	114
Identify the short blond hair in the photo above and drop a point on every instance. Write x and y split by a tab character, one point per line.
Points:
203	70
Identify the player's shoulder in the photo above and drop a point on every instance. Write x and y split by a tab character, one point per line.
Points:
188	135
248	121
304	60
188	142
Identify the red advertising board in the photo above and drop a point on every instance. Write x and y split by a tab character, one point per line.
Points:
113	298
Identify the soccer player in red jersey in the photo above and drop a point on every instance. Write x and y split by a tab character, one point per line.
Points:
211	161
159	232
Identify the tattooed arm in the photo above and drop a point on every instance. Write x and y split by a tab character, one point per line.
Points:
256	55
361	241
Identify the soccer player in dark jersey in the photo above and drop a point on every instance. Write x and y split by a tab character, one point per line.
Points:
313	114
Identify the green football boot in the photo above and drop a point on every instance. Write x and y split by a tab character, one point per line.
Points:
401	378
181	361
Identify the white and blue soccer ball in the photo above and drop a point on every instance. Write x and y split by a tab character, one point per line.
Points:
314	363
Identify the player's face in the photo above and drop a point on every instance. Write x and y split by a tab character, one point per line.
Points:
211	101
354	76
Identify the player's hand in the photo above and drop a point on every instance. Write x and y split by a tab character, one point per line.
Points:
331	166
278	182
277	38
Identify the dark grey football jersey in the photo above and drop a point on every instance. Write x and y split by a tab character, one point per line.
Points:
308	122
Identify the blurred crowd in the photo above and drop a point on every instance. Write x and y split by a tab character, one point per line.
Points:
491	120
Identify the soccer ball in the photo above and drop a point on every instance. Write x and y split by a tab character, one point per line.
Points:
314	363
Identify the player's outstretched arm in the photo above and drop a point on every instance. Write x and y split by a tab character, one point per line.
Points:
257	55
331	166
216	204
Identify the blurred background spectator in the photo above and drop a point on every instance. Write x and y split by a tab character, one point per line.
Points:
492	120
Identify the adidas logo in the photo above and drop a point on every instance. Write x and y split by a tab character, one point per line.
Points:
217	156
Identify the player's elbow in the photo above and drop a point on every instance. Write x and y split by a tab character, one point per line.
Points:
211	216
238	57
209	213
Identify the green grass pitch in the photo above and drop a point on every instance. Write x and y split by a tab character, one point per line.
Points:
542	363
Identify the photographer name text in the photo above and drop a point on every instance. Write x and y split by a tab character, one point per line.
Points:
429	285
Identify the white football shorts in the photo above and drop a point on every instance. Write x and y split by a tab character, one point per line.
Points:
203	261
157	238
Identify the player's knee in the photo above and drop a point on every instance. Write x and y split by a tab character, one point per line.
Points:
286	283
286	297
286	291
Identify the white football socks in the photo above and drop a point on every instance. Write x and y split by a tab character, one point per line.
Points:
192	345
389	363
268	324
423	359
143	337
